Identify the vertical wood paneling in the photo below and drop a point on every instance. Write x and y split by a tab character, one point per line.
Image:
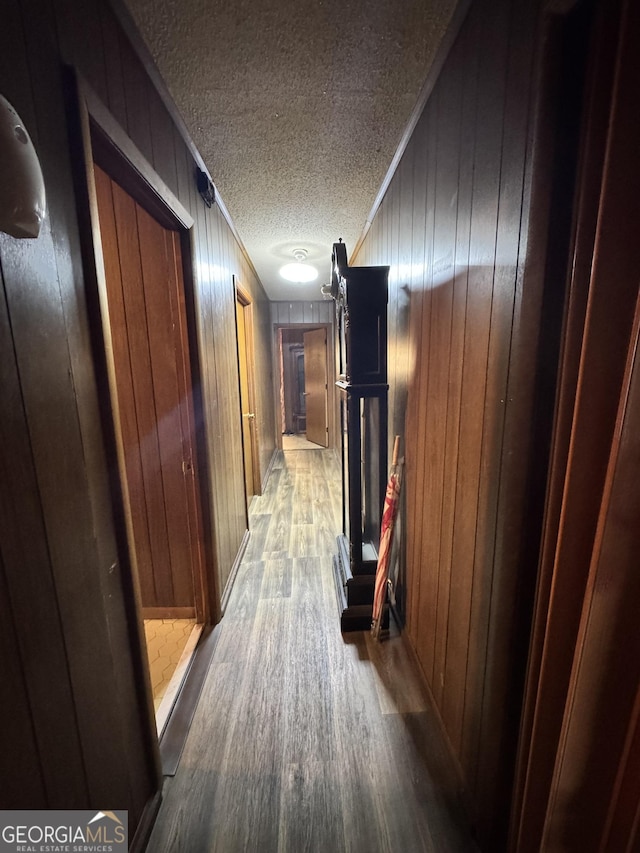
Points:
31	597
392	252
296	312
162	141
426	438
401	368
504	476
147	438
604	689
459	583
445	390
39	329
184	170
417	152
79	713
484	395
263	346
160	285
137	96
604	282
19	738
302	312
127	414
453	218
79	33
202	286
116	98
187	395
98	630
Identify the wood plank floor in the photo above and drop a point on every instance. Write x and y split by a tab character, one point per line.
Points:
305	740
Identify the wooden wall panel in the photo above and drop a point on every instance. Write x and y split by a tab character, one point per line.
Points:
116	98
137	96
457	636
302	312
19	744
453	227
45	302
585	809
40	676
603	292
69	629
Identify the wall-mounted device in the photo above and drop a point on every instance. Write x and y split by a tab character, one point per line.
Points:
205	187
22	197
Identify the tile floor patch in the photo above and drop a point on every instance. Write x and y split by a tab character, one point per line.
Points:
166	640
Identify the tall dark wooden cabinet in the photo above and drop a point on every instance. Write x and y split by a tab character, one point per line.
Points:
361	312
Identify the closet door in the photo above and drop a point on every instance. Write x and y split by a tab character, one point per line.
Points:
143	268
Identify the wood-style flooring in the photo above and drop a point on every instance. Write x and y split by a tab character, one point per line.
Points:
305	740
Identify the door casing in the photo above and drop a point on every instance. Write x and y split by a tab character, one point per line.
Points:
331	373
101	139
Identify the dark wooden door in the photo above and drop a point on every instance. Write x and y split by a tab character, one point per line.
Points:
315	383
147	322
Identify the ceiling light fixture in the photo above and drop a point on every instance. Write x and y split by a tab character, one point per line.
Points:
299	272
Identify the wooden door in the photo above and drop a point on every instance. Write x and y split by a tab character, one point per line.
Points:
248	415
315	382
596	782
147	322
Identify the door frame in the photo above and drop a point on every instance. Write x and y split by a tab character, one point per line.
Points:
331	373
597	327
243	298
102	140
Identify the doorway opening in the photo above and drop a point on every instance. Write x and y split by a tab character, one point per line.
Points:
145	319
142	314
304	394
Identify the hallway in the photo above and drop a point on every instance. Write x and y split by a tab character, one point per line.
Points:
304	740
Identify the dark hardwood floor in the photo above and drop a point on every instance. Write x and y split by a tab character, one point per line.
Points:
304	739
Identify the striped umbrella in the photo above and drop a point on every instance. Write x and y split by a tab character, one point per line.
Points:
391	501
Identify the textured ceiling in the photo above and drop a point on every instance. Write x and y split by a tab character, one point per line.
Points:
297	107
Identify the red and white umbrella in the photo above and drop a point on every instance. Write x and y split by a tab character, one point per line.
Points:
391	502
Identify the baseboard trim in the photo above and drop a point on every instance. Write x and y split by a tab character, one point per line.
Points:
267	473
455	767
234	571
174	734
143	831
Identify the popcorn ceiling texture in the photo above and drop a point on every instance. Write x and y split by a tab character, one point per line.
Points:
297	108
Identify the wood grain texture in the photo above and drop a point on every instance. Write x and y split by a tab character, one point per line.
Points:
135	351
57	376
604	687
29	588
603	290
302	739
286	313
453	227
71	618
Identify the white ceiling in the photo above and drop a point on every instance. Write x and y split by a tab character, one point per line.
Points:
297	107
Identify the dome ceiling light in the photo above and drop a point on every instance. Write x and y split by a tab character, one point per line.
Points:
299	272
